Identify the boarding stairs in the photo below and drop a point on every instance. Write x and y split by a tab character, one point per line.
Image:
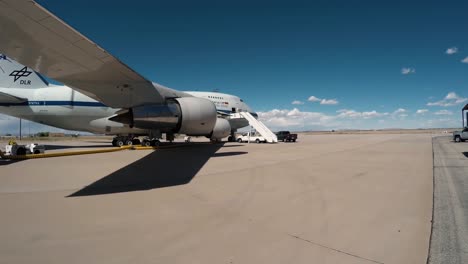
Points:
260	127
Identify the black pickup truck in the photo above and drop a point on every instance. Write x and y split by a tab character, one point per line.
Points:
286	136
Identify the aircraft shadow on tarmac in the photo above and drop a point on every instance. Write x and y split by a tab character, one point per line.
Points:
7	162
465	153
161	168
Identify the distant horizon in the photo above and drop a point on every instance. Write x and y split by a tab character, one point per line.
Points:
84	134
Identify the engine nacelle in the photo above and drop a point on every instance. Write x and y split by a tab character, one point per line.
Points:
221	130
198	116
192	116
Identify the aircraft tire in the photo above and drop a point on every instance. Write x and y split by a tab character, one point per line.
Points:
21	152
119	143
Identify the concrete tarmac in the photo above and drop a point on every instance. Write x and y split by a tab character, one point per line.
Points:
449	242
325	199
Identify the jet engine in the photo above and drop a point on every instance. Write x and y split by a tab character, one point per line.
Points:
221	130
192	116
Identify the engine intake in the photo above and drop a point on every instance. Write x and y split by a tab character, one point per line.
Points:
198	116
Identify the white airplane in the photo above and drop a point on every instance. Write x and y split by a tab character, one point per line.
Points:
102	95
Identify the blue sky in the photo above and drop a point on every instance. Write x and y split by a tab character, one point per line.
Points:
272	53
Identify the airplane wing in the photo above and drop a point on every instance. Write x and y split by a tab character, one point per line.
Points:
38	39
10	99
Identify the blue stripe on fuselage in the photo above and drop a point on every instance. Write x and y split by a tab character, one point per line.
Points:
81	103
56	103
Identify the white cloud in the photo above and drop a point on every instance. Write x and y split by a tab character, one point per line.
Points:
294	112
421	111
443	112
465	60
297	102
294	119
406	71
450	100
323	101
297	120
400	113
372	114
329	102
451	50
314	99
451	95
346	113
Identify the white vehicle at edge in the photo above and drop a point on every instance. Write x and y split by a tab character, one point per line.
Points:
100	93
254	137
18	150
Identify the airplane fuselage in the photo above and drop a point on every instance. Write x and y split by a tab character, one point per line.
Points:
63	107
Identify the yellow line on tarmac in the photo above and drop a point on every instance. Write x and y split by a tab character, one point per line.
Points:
85	152
62	154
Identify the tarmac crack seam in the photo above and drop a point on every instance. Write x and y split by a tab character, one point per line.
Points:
334	249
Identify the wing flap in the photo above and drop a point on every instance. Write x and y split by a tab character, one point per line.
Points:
40	40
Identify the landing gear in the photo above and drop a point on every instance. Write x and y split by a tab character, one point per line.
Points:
129	140
150	142
170	137
232	137
215	140
118	142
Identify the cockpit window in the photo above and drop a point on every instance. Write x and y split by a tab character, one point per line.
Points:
241	100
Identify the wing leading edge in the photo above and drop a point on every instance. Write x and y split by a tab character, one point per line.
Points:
35	37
